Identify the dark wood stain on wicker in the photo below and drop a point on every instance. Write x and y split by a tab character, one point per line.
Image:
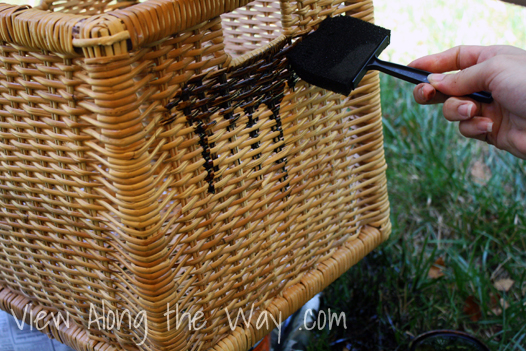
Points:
163	153
222	93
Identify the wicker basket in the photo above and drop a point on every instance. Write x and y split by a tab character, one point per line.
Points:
163	155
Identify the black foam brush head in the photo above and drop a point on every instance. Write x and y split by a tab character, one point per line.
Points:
335	56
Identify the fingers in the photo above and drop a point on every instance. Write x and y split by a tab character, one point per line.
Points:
426	94
468	113
457	58
460	109
477	127
470	80
462	57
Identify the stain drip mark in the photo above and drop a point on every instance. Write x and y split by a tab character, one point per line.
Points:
224	101
228	91
273	104
193	101
250	100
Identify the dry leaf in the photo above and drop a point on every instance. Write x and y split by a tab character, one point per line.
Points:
504	284
435	271
504	304
472	308
480	172
497	308
497	311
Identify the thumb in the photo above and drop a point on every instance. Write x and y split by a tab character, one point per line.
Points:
470	80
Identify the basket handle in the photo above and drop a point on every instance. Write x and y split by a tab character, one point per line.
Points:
171	16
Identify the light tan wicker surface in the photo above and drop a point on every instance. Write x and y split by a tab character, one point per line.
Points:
160	153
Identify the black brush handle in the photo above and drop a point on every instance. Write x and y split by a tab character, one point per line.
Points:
416	76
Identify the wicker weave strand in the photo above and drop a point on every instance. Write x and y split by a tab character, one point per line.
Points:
163	154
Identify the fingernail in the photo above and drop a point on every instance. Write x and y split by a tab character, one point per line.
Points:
435	78
464	110
421	92
431	94
489	127
486	127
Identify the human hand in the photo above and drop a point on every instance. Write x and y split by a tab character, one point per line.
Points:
500	70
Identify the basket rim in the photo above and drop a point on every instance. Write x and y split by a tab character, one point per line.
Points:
70	35
116	32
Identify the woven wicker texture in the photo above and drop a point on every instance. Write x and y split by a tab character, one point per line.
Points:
163	154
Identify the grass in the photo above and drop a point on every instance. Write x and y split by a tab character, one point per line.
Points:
442	205
451	198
